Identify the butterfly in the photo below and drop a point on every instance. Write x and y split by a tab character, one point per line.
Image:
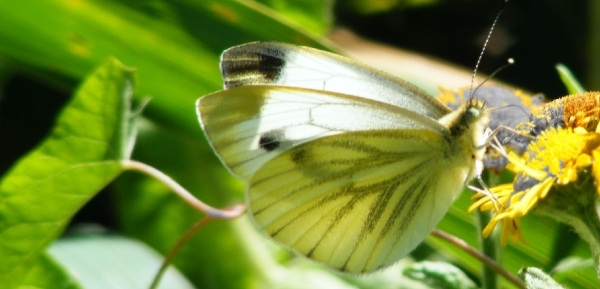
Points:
347	165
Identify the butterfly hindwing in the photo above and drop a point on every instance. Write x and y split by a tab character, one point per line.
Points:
357	201
281	64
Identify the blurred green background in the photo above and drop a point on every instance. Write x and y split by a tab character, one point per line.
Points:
48	47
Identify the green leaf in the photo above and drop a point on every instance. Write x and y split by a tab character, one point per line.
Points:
535	278
572	265
123	262
439	275
48	273
175	45
380	6
47	187
569	80
312	15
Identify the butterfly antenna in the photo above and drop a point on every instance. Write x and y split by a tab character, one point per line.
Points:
509	62
487	40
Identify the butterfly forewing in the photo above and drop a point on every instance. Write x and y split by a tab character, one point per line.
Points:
356	201
282	64
249	125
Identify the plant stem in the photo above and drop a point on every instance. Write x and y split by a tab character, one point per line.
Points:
226	213
488	262
212	214
489	246
173	252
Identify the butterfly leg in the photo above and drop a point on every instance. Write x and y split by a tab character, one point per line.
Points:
491	140
485	191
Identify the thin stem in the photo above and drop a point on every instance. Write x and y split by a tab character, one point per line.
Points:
180	243
478	255
225	214
591	217
228	213
489	246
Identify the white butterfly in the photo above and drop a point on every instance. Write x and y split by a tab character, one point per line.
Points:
347	165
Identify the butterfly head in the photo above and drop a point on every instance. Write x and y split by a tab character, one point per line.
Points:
471	116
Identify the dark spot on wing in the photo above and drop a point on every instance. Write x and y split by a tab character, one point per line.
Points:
269	141
250	67
298	155
270	66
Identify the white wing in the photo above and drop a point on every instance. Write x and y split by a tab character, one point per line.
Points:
282	64
249	125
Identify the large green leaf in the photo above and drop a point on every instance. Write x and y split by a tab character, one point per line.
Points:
175	45
47	187
313	15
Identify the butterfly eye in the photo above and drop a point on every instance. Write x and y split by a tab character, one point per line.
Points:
473	113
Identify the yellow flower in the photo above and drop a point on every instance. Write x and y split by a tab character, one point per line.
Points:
516	107
565	148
